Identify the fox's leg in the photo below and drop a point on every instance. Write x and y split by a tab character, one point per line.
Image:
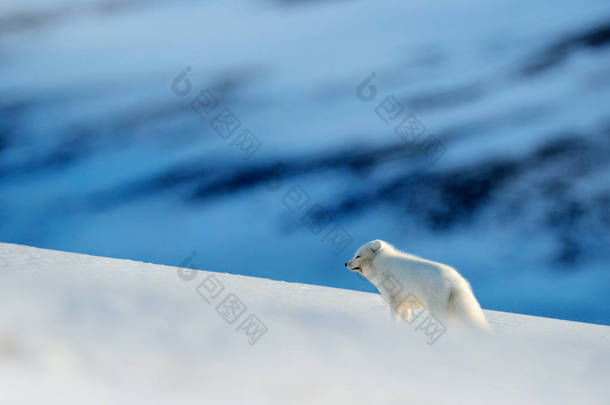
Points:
400	312
405	313
394	312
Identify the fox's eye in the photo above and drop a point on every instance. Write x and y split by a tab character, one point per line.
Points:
357	257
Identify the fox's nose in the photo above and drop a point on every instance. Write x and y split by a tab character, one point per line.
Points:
345	264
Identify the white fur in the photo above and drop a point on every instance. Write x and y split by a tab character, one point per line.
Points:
436	286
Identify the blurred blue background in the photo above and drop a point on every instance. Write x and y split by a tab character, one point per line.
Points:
475	133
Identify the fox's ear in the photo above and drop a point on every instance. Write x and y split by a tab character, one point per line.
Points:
375	246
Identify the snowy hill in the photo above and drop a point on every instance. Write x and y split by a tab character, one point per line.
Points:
82	328
517	93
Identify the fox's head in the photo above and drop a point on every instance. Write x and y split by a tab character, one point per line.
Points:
362	262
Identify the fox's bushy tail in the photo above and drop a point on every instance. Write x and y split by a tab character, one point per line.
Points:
464	307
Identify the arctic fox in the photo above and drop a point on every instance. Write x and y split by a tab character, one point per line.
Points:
408	282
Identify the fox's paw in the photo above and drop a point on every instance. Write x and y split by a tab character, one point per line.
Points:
405	314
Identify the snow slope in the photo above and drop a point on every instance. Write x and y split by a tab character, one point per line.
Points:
83	328
518	93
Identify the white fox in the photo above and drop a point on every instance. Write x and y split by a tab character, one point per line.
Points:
408	282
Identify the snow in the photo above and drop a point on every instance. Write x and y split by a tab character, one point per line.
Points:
84	79
75	327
